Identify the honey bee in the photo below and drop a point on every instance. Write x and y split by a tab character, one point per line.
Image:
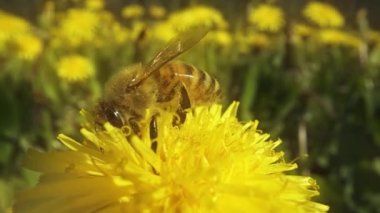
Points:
162	84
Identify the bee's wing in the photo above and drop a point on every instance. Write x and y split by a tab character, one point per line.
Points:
176	46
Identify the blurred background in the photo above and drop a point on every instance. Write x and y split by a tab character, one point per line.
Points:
309	71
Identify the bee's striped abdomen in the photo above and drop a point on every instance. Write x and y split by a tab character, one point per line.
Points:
201	87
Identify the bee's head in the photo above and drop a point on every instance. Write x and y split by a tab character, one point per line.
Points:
106	112
124	102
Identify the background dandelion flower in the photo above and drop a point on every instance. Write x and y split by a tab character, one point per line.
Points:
78	26
267	18
220	37
324	15
198	16
11	26
94	4
133	11
302	30
253	40
157	11
75	68
163	31
210	163
119	33
337	37
27	46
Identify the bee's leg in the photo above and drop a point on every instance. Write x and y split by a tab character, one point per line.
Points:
184	104
153	133
134	124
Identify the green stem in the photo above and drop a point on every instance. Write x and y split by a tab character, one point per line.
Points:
249	92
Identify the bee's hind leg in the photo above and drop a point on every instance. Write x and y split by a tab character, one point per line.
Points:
181	112
153	133
184	105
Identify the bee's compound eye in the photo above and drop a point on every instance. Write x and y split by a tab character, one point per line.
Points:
115	118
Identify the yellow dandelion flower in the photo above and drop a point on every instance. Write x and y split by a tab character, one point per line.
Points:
10	26
196	16
211	163
133	11
78	26
120	34
254	40
157	11
220	37
75	68
338	37
267	17
27	46
110	31
163	31
94	4
302	30
324	15
258	40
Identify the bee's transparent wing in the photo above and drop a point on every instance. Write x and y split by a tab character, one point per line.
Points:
176	46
